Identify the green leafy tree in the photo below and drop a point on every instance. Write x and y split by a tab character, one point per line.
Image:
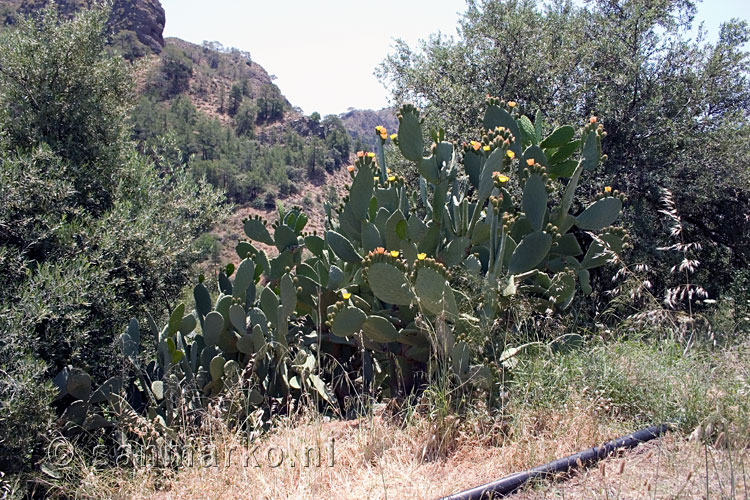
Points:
271	104
173	76
76	105
244	120
337	140
91	231
235	99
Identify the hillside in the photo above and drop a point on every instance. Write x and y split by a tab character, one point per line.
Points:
224	119
138	24
361	123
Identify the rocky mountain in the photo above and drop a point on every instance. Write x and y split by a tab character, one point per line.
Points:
361	123
138	23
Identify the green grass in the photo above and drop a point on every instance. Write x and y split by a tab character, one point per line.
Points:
643	383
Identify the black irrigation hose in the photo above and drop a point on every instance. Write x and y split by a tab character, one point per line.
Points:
509	484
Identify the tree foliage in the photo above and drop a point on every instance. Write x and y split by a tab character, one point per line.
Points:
91	231
60	91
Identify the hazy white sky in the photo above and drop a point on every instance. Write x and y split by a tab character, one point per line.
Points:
324	53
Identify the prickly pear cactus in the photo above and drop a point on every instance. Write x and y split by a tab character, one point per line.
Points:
376	291
502	207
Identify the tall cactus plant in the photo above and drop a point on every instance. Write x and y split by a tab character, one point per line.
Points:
501	207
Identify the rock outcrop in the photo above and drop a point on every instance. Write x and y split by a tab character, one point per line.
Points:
145	18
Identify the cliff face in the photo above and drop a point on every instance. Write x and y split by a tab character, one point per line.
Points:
144	18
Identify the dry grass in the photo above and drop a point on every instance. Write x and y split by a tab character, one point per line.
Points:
553	409
667	468
433	455
377	458
434	452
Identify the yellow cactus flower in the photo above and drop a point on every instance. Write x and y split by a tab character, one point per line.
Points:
503	178
350	168
607	189
421	256
511	104
486	148
530	162
395	253
476	145
394	137
387	170
371	154
378	128
391	178
346	295
376	178
510	154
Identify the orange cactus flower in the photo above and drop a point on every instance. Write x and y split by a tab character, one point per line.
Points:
350	168
380	250
360	154
607	189
511	104
592	119
476	145
530	162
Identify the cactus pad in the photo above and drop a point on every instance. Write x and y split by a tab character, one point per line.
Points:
600	214
530	252
389	284
348	321
379	329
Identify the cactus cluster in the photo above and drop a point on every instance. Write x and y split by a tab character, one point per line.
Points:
377	289
496	206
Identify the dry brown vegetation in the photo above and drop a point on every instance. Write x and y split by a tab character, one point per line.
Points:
379	458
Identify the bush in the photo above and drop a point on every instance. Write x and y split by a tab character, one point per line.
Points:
269	201
26	416
79	114
92	232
